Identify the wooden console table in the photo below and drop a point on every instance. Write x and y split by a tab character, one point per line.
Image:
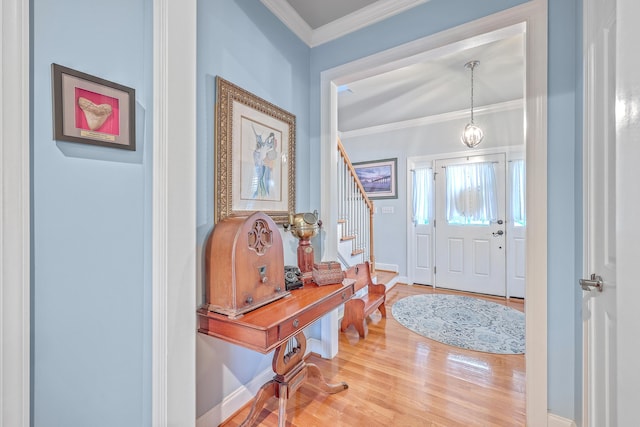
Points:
278	325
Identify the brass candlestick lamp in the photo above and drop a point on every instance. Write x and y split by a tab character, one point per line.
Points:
304	226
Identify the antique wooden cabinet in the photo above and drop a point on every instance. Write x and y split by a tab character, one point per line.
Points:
244	265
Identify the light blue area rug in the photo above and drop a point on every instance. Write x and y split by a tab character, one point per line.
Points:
464	322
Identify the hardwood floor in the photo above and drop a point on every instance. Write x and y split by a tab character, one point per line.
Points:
399	378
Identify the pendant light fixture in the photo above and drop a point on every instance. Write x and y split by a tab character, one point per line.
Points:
472	134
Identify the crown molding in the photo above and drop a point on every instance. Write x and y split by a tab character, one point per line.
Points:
437	118
368	15
287	14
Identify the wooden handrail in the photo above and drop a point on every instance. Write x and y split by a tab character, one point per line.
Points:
368	202
352	171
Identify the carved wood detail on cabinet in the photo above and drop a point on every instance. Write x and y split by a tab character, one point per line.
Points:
244	265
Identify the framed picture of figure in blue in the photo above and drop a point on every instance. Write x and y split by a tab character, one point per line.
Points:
255	155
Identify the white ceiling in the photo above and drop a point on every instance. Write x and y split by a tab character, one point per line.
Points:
319	13
430	87
320	21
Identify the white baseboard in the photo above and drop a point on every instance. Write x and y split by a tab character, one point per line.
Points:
234	401
314	345
557	421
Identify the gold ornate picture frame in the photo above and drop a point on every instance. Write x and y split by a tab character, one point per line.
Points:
254	155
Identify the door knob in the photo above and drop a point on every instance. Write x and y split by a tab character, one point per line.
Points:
498	233
593	282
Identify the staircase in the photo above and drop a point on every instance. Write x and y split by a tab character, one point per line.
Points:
355	216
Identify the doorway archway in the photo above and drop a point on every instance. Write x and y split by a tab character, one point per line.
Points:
532	18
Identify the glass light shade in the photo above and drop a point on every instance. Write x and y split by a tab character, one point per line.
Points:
472	135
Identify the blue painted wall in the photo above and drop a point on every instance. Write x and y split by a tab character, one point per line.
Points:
91	205
91	213
564	216
243	43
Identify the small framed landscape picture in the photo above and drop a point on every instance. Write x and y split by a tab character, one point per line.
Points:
92	110
378	178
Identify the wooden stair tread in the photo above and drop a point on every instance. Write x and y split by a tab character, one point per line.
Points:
384	276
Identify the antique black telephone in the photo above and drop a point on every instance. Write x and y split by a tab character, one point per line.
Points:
292	277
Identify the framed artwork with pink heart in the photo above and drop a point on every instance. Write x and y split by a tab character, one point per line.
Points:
92	110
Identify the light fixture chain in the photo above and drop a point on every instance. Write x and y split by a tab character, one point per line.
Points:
472	67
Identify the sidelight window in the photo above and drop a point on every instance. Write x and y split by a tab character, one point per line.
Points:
518	193
422	195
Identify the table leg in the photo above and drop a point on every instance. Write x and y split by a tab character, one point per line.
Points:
282	405
291	372
314	372
267	391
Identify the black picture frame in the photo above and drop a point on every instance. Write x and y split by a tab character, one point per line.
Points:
91	110
379	178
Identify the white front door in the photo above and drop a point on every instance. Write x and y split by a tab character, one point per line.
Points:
599	308
469	227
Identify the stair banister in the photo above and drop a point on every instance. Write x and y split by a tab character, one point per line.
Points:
360	191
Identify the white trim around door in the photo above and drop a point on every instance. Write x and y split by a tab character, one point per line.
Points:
174	213
15	258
